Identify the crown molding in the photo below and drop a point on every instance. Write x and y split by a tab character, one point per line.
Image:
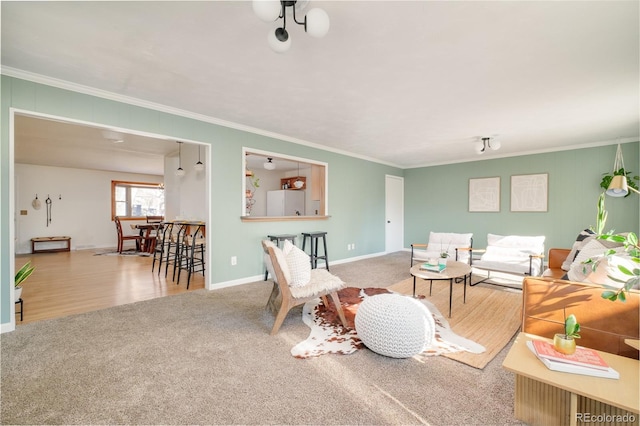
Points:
74	87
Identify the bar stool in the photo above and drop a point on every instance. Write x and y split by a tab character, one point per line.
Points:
192	252
277	239
313	238
162	241
175	240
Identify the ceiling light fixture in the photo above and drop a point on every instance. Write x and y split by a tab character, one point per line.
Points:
618	186
316	21
485	143
180	172
198	166
269	165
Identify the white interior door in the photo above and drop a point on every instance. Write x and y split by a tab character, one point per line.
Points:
394	208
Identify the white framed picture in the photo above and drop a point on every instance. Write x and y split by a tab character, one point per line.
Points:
484	194
529	193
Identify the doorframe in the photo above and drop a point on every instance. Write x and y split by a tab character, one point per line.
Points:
389	178
11	326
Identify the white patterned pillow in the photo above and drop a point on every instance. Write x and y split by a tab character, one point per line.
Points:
299	265
583	238
280	257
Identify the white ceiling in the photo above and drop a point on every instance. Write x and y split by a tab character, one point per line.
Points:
403	83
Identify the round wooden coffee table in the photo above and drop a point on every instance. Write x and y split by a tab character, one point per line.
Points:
454	271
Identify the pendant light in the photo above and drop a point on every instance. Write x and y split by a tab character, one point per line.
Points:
198	166
618	186
269	164
298	183
180	172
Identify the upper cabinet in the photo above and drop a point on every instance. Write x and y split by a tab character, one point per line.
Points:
294	183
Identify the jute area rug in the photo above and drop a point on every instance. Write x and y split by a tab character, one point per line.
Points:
491	315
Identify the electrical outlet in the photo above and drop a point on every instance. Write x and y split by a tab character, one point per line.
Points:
353	246
234	260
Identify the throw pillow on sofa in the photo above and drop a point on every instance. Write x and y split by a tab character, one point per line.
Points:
582	239
594	249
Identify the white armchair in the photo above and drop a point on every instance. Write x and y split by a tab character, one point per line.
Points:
457	246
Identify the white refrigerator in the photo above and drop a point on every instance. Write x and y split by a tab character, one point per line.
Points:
285	202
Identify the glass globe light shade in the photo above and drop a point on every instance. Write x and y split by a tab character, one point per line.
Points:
180	172
269	165
198	166
495	144
267	10
317	23
277	45
479	147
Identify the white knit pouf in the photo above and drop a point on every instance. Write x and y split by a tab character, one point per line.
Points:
394	325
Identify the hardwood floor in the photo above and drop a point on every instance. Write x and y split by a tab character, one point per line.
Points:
68	283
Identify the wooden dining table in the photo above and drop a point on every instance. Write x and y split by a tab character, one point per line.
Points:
148	242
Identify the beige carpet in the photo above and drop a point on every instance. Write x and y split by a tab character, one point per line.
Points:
491	315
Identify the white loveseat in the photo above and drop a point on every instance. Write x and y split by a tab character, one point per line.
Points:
512	254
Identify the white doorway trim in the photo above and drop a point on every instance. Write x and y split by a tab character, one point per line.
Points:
10	326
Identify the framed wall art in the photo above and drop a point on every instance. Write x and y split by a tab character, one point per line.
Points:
484	194
529	193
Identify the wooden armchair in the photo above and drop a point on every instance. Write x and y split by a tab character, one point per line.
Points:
322	283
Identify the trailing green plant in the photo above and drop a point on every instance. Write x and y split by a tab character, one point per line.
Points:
23	273
607	177
601	218
630	243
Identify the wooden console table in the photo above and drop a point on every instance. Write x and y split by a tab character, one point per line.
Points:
37	240
549	397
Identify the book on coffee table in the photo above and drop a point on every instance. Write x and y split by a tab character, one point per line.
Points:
433	268
596	368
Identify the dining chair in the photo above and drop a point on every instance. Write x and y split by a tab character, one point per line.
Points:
122	237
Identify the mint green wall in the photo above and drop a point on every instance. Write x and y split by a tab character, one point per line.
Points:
356	187
437	197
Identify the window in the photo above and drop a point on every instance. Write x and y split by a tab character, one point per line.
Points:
131	200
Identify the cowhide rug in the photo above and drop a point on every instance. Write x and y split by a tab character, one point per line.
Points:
329	336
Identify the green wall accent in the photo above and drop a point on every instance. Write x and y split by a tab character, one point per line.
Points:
356	199
574	179
356	187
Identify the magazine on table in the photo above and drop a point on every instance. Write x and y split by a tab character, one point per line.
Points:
557	363
433	267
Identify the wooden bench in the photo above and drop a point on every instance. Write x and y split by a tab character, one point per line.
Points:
37	240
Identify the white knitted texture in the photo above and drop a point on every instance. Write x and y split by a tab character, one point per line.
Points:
394	325
299	265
